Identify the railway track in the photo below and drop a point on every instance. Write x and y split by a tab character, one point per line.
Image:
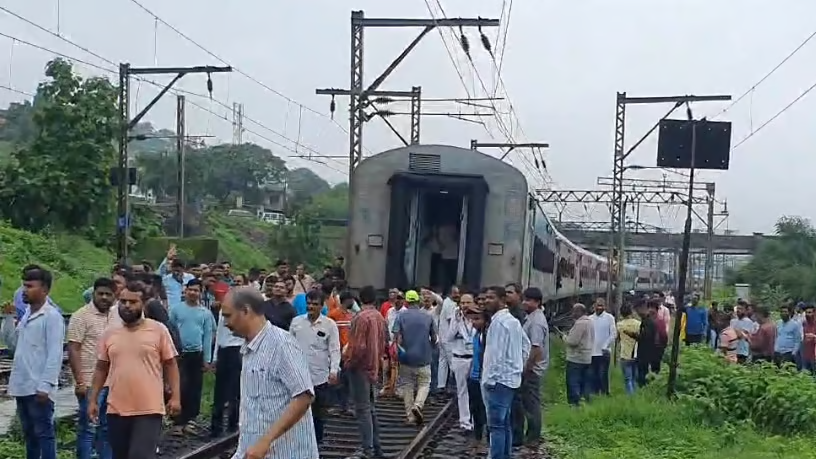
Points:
399	440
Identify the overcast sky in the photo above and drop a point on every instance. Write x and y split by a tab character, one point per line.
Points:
562	65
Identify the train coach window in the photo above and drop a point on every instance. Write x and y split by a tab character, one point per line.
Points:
543	257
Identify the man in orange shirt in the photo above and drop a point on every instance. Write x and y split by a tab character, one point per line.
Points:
135	359
341	315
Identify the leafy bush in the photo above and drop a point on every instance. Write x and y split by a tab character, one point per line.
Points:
647	426
779	401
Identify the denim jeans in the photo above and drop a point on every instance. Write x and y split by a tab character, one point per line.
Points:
499	424
37	422
577	377
363	394
629	368
92	438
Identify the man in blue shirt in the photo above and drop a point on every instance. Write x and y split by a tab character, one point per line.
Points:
196	327
788	336
696	321
20	303
36	342
175	281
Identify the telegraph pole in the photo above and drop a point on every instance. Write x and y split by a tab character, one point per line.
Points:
180	140
126	124
358	94
619	167
237	123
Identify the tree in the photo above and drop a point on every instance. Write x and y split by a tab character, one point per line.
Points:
331	204
302	184
61	177
18	123
219	171
785	265
299	242
247	169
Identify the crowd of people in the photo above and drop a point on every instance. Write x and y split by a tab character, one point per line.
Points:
140	346
742	334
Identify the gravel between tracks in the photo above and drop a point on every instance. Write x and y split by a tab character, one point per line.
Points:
450	442
341	439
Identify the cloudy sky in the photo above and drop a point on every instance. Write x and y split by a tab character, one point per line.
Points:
561	64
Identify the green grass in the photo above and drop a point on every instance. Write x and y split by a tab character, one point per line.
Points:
73	261
647	426
242	241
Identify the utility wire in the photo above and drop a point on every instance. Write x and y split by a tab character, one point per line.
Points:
499	121
234	68
774	117
767	75
115	71
9	88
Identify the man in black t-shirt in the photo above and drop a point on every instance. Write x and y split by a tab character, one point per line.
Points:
277	310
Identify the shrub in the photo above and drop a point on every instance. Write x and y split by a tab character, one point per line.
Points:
647	426
779	401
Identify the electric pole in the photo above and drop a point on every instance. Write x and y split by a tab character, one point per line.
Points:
126	124
358	94
180	140
237	123
619	167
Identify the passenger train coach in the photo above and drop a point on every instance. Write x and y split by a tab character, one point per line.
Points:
437	214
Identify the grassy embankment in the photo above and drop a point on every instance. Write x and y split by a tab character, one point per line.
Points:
75	262
647	426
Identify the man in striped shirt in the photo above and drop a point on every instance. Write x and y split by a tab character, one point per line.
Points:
276	388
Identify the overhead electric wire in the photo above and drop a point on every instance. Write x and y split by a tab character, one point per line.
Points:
767	75
115	72
774	117
504	41
15	90
225	118
508	133
235	68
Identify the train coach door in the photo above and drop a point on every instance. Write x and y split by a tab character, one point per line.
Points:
412	242
463	231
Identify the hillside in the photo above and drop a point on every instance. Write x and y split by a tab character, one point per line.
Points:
74	262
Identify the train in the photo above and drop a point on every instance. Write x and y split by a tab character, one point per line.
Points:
497	232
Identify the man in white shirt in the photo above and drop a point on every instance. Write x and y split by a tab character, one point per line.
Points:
605	331
447	311
319	338
458	340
